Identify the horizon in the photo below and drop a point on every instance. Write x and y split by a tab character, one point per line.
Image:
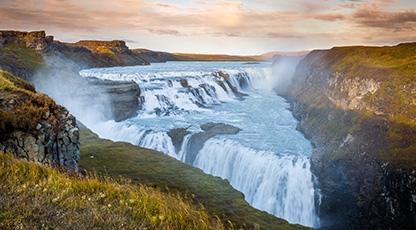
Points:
243	28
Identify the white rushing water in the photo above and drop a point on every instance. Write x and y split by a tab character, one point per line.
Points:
268	160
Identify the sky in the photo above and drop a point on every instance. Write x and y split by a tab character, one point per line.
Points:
245	27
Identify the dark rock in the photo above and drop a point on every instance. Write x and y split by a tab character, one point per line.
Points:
154	56
122	96
177	136
184	83
197	140
227	81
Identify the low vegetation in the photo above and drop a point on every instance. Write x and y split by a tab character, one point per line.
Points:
36	197
21	108
106	52
25	56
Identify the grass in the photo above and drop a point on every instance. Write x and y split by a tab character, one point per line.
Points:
155	169
19	56
106	52
36	197
21	108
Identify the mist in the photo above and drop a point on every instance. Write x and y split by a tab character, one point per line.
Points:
60	80
283	69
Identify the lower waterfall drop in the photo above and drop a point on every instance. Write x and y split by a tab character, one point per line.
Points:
280	185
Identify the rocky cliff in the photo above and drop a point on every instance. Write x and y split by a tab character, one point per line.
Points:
33	127
357	105
34	40
53	67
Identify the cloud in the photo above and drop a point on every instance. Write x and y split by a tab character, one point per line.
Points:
393	21
265	21
166	31
283	35
329	17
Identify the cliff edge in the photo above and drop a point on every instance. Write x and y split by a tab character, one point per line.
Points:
53	68
33	127
358	107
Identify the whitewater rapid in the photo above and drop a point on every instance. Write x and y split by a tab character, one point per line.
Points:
268	160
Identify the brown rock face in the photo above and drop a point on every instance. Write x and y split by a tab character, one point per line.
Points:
115	45
36	40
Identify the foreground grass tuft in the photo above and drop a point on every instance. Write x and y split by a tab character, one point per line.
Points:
36	197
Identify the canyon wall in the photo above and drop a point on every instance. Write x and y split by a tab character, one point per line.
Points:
357	105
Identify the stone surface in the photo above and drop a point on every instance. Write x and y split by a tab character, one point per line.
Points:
46	145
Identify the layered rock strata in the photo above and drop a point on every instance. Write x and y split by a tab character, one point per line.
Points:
347	102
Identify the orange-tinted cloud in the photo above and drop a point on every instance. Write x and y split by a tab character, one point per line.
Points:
309	24
329	17
393	21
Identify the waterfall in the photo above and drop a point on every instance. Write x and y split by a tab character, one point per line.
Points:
281	185
268	161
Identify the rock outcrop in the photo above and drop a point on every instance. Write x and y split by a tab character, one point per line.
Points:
34	128
37	58
36	40
123	97
357	107
197	140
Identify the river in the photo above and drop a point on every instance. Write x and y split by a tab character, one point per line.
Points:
268	160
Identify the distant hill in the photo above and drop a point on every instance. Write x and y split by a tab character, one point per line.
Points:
225	57
211	57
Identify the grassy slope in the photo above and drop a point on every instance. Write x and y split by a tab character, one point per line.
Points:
18	58
156	169
36	197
